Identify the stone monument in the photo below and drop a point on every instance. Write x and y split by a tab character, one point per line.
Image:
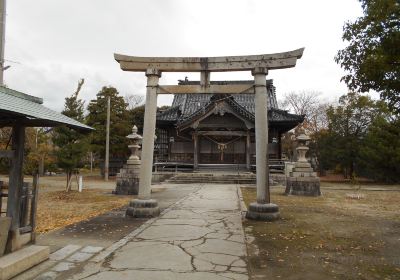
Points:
302	180
128	176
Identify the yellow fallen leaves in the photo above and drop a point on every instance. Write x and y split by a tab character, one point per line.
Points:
59	208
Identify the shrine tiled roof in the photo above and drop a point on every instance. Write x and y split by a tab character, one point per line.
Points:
186	107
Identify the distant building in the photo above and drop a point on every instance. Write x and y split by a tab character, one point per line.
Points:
207	129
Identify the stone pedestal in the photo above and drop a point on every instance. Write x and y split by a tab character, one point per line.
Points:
128	180
128	176
302	180
143	208
307	186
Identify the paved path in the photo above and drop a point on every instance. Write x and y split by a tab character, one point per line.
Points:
199	237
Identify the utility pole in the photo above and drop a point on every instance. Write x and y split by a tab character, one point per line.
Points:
106	162
2	38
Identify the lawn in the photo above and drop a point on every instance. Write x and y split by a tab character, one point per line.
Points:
328	237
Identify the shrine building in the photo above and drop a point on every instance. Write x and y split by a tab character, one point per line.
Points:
211	130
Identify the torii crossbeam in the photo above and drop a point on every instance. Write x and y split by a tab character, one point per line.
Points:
259	65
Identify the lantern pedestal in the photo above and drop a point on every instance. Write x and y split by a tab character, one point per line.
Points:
302	180
128	176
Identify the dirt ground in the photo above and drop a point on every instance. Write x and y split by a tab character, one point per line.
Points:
328	237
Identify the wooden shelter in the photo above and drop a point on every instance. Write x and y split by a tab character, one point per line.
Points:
19	110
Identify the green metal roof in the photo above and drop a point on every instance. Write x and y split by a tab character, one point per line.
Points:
18	106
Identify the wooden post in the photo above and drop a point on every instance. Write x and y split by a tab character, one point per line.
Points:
195	150
2	37
279	145
35	193
248	164
15	184
107	158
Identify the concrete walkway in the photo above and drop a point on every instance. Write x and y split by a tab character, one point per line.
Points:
199	237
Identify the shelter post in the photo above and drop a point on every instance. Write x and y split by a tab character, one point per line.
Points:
15	185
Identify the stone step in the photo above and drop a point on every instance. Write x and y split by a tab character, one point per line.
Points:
16	262
214	179
212	182
211	178
215	176
220	178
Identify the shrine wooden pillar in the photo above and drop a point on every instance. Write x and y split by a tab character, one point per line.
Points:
195	150
279	145
248	162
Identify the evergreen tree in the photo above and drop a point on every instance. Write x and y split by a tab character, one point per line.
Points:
380	154
136	117
119	123
372	58
348	125
71	143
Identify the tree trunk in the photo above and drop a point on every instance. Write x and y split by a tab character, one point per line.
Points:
351	170
41	166
69	179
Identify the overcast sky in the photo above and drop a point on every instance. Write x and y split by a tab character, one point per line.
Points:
52	44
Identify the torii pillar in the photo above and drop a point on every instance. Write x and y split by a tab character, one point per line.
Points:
144	206
259	65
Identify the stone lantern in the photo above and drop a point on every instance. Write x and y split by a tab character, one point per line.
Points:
302	148
128	176
134	146
302	180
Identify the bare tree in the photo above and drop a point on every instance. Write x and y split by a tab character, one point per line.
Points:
134	100
307	103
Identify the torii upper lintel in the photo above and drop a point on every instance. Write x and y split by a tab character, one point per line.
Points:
210	64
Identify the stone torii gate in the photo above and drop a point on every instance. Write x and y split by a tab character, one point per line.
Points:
259	65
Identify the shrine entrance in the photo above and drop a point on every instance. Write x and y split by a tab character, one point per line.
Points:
222	149
259	65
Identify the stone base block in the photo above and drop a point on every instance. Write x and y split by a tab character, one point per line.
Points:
307	186
302	174
21	260
263	212
127	186
303	169
301	164
143	208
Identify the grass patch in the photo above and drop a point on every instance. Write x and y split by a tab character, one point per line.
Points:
327	237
